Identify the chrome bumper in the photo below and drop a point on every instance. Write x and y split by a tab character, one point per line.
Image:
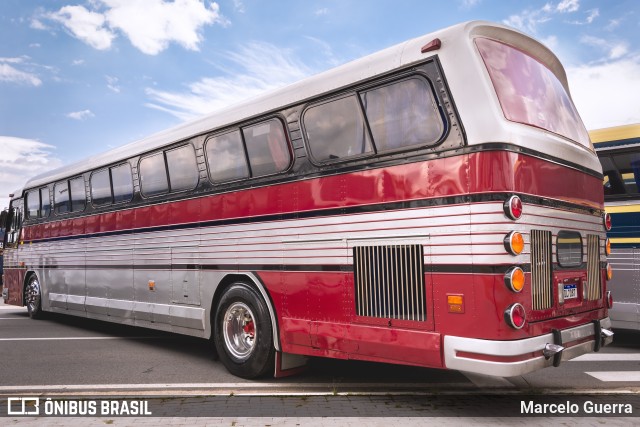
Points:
499	349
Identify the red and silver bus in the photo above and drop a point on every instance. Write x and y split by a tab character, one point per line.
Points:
436	204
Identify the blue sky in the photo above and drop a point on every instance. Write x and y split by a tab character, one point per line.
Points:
78	77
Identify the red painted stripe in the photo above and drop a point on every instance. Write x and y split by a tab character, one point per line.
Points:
467	174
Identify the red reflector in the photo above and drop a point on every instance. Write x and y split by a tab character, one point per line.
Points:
609	300
515	316
513	207
607	221
434	44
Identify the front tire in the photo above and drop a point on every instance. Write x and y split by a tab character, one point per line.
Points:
33	298
242	332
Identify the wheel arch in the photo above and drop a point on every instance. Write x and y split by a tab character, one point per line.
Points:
252	280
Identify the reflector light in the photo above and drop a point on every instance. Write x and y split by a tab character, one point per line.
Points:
515	316
514	243
609	271
607	247
514	279
432	45
513	207
607	221
455	303
609	300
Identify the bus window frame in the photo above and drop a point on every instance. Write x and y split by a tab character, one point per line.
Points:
416	72
108	169
69	202
163	152
239	128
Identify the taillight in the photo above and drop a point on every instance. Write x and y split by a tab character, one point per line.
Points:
514	243
515	316
514	279
513	207
609	300
607	221
607	247
609	272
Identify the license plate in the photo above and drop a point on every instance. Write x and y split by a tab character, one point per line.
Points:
570	291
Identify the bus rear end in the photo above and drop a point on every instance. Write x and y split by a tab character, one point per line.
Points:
537	221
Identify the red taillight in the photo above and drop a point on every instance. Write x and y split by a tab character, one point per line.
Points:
607	221
513	207
609	300
515	316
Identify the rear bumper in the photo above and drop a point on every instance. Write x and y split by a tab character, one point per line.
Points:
513	358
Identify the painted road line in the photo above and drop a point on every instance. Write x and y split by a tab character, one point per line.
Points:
77	338
616	376
14	318
608	357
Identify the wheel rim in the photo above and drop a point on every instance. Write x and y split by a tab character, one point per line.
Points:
32	295
239	330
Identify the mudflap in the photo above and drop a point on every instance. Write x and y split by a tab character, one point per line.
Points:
288	364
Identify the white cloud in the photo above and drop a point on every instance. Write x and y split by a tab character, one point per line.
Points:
150	25
469	4
613	49
238	5
593	14
21	159
568	6
112	84
321	12
81	115
78	62
10	74
262	67
88	26
529	19
607	94
36	24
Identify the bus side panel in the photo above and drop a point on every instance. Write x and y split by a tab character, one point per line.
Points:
13	283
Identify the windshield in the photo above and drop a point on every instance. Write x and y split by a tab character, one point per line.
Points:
530	93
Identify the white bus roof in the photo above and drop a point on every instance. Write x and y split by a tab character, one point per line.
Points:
453	39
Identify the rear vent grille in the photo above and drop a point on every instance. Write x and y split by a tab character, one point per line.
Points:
541	268
594	287
389	282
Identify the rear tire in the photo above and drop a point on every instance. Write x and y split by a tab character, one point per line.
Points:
33	298
242	332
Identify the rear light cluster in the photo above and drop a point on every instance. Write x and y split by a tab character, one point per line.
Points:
607	221
515	315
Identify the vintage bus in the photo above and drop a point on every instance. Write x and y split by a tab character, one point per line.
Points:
437	204
619	151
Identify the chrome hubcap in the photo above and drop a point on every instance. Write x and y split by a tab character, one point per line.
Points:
239	330
32	295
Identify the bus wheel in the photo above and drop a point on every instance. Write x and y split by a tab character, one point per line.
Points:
33	298
242	332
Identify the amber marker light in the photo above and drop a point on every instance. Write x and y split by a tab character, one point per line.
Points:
514	243
514	279
455	303
607	247
609	272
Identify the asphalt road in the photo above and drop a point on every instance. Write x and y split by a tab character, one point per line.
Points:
69	354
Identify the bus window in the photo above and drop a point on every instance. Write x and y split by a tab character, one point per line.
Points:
100	188
183	168
628	165
336	130
33	204
402	114
267	147
45	203
226	158
153	175
78	196
529	92
122	182
569	248
61	197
